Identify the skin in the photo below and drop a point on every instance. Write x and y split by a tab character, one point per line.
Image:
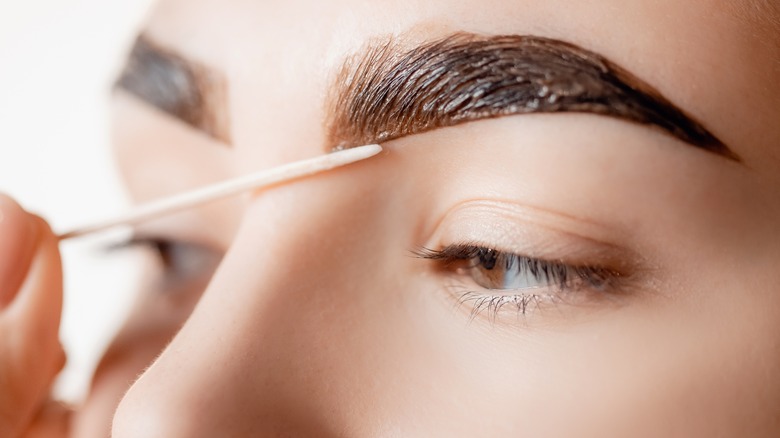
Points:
30	308
319	321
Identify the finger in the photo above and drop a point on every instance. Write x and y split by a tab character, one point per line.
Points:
18	241
29	333
36	311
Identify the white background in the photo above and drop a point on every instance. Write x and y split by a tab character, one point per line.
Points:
57	61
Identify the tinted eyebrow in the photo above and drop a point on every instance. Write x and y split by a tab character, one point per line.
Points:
385	92
185	89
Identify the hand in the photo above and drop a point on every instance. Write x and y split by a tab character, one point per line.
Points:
30	308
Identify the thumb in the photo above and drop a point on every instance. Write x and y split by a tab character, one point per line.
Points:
30	351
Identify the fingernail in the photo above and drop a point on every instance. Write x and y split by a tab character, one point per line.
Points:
18	236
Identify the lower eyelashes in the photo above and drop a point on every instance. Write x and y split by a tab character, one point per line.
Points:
492	281
493	304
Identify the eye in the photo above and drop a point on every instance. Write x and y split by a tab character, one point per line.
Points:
180	261
491	278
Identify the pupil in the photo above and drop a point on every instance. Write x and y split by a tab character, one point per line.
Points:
487	258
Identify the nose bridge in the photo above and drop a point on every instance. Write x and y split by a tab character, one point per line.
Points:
257	348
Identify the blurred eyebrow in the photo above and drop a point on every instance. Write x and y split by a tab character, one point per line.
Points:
182	88
385	92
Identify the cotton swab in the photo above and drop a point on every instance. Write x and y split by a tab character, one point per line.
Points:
276	175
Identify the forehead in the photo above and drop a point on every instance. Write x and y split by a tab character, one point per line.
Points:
715	58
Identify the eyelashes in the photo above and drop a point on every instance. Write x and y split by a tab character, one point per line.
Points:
490	279
487	279
180	261
168	252
501	270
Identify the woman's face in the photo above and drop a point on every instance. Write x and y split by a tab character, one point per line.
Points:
578	260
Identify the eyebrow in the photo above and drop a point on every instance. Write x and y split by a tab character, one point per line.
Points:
182	88
385	92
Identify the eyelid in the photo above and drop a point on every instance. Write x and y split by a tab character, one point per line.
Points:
520	229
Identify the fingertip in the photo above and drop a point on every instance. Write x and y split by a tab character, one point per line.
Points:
36	310
8	203
44	232
19	233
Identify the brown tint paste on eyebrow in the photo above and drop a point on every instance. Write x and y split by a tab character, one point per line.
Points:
181	88
385	94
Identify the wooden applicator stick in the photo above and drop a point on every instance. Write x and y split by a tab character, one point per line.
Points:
263	178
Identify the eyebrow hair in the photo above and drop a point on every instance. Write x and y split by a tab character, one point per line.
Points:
187	90
384	92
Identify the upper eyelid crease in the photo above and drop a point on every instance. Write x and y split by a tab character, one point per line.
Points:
185	89
386	92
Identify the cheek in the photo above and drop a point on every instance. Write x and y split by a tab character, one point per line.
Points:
702	367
